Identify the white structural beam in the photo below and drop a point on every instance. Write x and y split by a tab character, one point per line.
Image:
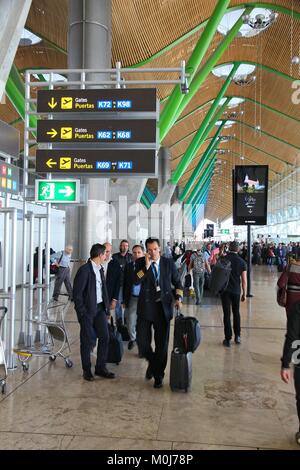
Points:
12	21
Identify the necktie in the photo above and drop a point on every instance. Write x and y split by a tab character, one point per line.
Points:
155	271
104	290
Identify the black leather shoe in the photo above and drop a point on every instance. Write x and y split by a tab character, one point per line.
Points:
149	373
237	340
88	376
158	383
226	343
105	373
131	345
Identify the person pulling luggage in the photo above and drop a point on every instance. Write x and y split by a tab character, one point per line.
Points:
156	275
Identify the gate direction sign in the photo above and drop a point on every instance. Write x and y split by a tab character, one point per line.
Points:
97	100
57	191
101	162
9	178
112	131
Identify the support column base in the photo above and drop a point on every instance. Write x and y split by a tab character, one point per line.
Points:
21	340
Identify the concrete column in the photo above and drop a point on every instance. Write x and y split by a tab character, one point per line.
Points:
160	210
127	213
89	46
164	168
12	21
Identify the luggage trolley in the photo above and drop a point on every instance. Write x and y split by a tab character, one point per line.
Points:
3	377
56	338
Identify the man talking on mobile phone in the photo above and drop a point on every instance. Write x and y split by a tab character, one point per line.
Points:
157	276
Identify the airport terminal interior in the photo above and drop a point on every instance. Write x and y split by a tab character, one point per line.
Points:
149	165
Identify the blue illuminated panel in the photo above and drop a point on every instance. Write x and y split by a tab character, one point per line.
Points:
123	135
104	104
103	165
104	135
124	104
125	166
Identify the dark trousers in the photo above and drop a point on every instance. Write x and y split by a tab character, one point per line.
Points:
297	388
158	358
231	301
63	276
99	326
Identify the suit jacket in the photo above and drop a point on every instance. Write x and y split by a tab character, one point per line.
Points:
168	276
129	278
113	279
84	292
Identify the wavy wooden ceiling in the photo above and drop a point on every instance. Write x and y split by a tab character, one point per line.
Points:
141	28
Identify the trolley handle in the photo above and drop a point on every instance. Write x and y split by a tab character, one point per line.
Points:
4	308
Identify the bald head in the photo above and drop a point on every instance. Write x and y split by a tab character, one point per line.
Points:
69	249
108	250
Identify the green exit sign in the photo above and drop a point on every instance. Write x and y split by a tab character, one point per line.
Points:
225	231
58	191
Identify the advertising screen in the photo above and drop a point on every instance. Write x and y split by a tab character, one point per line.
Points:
250	195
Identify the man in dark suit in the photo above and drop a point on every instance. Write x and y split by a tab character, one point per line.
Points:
112	273
131	294
156	275
92	308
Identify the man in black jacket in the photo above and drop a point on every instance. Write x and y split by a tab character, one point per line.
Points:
123	258
131	294
112	273
92	308
156	275
291	353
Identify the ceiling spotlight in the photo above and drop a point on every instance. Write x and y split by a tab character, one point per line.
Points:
254	23
262	20
233	115
257	128
226	138
242	158
246	80
296	60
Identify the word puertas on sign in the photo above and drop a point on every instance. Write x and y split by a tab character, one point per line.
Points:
57	191
100	100
250	194
120	137
112	161
120	131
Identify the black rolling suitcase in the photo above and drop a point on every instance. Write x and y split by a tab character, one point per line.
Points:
181	368
115	347
180	371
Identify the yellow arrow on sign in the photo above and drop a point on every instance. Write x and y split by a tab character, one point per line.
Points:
50	163
52	103
53	133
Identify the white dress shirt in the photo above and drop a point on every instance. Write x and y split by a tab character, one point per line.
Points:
96	269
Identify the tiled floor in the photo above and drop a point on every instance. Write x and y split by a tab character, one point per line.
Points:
237	399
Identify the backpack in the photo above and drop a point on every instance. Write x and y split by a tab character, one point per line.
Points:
220	276
187	333
198	264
